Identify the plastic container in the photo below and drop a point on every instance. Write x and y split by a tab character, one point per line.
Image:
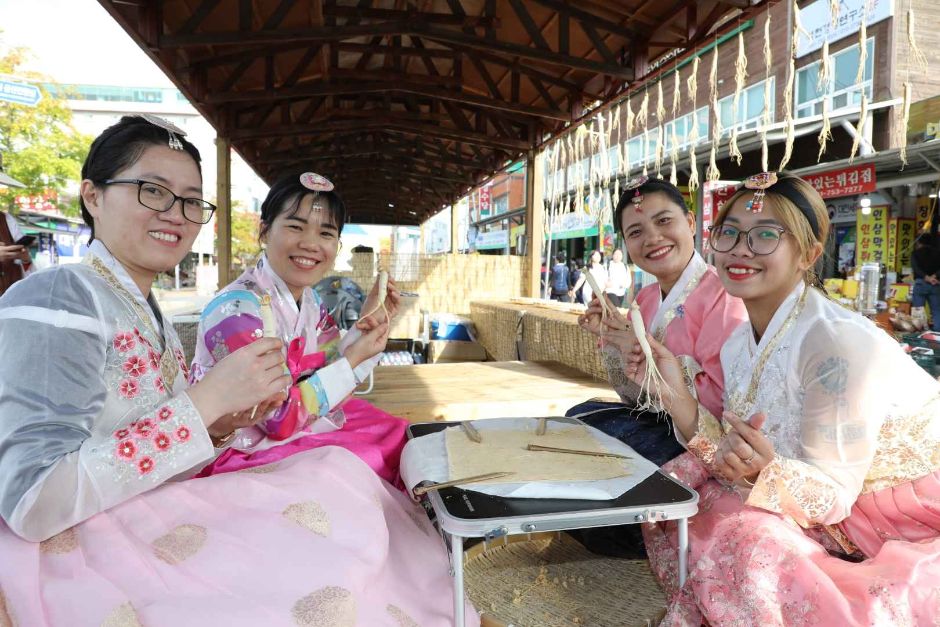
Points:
448	327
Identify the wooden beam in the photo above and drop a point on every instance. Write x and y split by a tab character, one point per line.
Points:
406	51
244	15
281	36
447	19
534	213
586	17
525	18
195	19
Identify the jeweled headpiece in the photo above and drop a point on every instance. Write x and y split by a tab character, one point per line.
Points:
635	184
759	183
172	130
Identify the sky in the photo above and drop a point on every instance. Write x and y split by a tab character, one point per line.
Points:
76	41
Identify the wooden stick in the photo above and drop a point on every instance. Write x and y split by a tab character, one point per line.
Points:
471	432
552	449
450	484
543	426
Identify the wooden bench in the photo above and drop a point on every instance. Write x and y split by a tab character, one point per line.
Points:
476	390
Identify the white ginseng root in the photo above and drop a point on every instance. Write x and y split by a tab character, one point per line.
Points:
383	294
653	384
268	325
600	295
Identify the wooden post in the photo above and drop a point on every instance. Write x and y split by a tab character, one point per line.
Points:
454	223
223	195
534	212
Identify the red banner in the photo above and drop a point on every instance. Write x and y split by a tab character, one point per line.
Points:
859	179
712	200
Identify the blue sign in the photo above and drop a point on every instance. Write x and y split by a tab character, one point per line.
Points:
20	93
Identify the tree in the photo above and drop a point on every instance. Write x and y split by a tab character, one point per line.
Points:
245	246
40	147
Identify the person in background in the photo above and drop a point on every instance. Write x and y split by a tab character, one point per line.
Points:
618	279
559	279
925	263
599	272
15	262
575	268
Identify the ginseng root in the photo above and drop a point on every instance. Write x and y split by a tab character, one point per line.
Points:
383	293
653	384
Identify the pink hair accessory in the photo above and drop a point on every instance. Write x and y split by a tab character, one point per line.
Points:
316	182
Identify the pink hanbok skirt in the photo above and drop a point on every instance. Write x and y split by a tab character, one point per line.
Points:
316	539
376	437
752	567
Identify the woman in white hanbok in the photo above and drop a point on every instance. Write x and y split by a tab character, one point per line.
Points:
98	427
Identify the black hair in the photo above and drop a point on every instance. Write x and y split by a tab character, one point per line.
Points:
286	195
650	186
926	240
119	147
560	256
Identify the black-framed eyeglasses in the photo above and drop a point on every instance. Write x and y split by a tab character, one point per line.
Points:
158	198
761	240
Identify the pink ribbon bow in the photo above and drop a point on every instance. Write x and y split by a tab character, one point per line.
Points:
292	415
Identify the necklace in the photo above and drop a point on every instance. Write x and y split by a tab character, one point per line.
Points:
741	404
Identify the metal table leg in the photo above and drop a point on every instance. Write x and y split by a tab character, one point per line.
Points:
456	562
683	550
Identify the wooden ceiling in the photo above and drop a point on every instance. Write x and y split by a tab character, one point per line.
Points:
405	104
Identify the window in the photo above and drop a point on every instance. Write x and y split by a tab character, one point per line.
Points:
501	204
842	91
641	149
750	108
684	126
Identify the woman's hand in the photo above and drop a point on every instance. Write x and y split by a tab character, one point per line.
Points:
593	320
240	381
392	301
370	344
745	450
246	418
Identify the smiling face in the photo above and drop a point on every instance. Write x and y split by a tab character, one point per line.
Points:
755	277
302	244
146	242
660	236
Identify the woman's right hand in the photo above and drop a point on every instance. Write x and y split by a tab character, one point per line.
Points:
241	380
368	345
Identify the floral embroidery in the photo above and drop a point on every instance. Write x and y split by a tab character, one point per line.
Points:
129	388
135	366
680	311
158	384
162	441
154	358
183	434
127	449
145	465
165	413
124	341
120	434
144	427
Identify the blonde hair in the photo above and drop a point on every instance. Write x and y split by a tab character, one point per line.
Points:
790	216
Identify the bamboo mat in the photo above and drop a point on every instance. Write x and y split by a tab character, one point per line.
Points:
551	581
476	390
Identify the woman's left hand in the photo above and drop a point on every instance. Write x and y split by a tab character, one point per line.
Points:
745	450
392	301
247	418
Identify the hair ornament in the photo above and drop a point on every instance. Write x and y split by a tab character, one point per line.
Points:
759	183
316	182
173	130
635	184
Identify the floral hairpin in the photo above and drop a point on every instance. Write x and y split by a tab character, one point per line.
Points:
759	183
635	184
316	182
173	130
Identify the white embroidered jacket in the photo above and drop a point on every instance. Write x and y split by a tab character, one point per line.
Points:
93	408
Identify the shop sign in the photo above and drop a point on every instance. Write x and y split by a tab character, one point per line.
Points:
713	198
906	235
922	214
816	19
891	259
492	239
484	202
872	236
849	181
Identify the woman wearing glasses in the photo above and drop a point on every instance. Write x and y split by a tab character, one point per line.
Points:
98	425
819	483
301	221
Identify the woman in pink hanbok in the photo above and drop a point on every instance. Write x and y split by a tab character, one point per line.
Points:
819	484
687	308
301	221
100	435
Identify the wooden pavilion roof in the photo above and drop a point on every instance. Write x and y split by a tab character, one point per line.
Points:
405	104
